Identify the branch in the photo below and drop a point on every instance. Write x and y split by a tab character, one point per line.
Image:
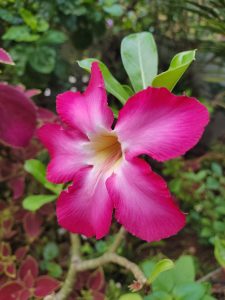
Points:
116	259
118	239
68	284
209	275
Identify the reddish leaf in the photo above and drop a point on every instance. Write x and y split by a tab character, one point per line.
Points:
28	280
45	285
96	280
10	290
98	296
5	249
24	295
18	116
10	269
5	58
21	252
30	264
32	225
17	186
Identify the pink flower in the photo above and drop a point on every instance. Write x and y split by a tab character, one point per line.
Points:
103	163
5	58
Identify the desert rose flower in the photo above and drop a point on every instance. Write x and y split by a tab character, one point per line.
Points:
104	163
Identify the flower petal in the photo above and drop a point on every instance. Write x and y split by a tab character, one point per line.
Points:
143	203
86	207
160	124
88	111
5	58
65	148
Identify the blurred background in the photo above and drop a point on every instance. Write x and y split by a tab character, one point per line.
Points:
45	39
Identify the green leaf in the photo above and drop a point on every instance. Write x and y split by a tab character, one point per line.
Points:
20	33
160	267
159	295
42	59
54	269
187	291
28	18
219	251
130	296
184	270
212	183
178	66
50	251
217	169
34	202
53	37
114	10
140	59
38	170
112	85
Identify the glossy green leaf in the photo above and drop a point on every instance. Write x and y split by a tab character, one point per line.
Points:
38	170
160	267
42	59
178	66
219	251
34	202
112	85
130	296
20	33
217	169
140	59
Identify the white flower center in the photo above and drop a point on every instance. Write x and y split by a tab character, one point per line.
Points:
106	151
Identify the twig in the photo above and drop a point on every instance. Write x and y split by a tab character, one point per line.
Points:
68	284
118	239
209	275
116	259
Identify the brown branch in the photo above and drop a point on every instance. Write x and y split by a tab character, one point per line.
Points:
68	284
116	259
209	275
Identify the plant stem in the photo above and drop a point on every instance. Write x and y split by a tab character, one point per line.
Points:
209	275
118	239
68	284
116	259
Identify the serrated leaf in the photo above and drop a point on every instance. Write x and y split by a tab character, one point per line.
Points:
160	267
178	66
140	59
112	84
34	202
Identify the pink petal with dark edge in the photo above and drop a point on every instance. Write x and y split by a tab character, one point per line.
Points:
160	124
86	207
88	112
142	202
